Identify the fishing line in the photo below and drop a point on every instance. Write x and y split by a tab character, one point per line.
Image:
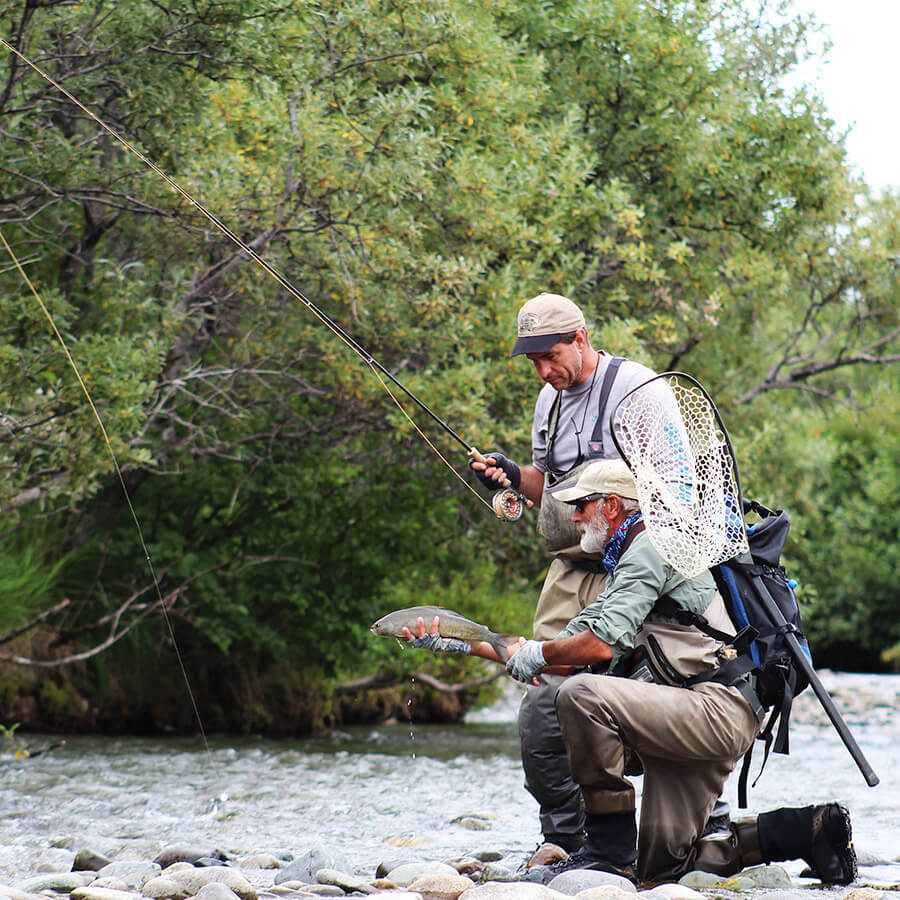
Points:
115	463
333	326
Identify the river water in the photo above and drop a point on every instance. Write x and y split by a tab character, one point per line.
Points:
393	790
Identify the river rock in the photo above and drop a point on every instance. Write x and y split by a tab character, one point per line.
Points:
487	855
192	879
215	890
295	888
89	861
92	893
392	862
58	882
188	853
497	872
260	861
134	872
606	892
465	865
305	866
768	877
864	893
441	887
16	894
523	890
405	875
114	884
345	881
55	859
706	881
474	822
673	892
575	880
164	888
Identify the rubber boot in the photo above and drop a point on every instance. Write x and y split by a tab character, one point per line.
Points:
820	835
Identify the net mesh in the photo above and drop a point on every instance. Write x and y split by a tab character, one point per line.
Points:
687	485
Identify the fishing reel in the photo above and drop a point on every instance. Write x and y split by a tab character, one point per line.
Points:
509	504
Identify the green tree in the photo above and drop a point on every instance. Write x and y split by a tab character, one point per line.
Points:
416	169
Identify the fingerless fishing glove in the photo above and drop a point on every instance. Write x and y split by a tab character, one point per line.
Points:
526	662
501	462
437	644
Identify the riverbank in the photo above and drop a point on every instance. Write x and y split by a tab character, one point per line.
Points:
182	871
433	792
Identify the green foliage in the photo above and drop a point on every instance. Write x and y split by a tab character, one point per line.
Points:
417	169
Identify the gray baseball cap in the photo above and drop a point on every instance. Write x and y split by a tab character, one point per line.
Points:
543	321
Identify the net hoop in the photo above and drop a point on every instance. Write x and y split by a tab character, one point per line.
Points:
672	437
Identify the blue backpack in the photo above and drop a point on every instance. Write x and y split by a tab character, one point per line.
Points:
762	646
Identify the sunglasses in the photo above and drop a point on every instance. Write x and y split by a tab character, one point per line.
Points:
583	502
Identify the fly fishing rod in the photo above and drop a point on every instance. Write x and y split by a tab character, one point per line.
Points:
506	503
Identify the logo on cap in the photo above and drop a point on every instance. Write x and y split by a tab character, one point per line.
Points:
529	323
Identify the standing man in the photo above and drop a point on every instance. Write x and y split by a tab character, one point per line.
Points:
677	714
570	428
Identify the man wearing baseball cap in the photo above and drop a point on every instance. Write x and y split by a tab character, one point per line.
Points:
676	714
570	428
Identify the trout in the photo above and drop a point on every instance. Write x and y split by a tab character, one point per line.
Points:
452	624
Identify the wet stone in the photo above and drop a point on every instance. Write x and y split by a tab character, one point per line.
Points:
192	879
114	884
164	888
188	853
475	822
441	887
89	861
495	872
576	880
92	893
405	875
466	865
16	894
520	891
59	882
386	865
55	859
215	890
305	866
345	881
260	861
134	872
607	892
673	892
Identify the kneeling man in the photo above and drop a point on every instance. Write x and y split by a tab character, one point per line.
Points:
668	717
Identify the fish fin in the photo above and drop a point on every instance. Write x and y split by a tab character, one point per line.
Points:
500	643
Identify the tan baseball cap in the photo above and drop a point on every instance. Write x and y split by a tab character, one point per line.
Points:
605	476
543	320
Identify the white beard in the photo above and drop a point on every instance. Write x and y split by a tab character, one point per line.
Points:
595	535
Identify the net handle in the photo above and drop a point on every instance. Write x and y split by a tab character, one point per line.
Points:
693	381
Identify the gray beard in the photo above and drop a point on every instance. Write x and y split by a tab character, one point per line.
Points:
596	536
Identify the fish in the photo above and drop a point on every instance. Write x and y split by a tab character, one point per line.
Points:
452	624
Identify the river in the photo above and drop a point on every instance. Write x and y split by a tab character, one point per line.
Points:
374	792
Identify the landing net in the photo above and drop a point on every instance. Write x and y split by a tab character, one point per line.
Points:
669	432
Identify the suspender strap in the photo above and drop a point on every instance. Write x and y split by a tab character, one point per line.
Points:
595	448
596	445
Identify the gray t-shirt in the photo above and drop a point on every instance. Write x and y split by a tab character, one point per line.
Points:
578	413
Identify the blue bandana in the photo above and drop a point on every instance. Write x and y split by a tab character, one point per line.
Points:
614	547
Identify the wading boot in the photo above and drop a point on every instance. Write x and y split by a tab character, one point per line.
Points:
820	835
611	846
